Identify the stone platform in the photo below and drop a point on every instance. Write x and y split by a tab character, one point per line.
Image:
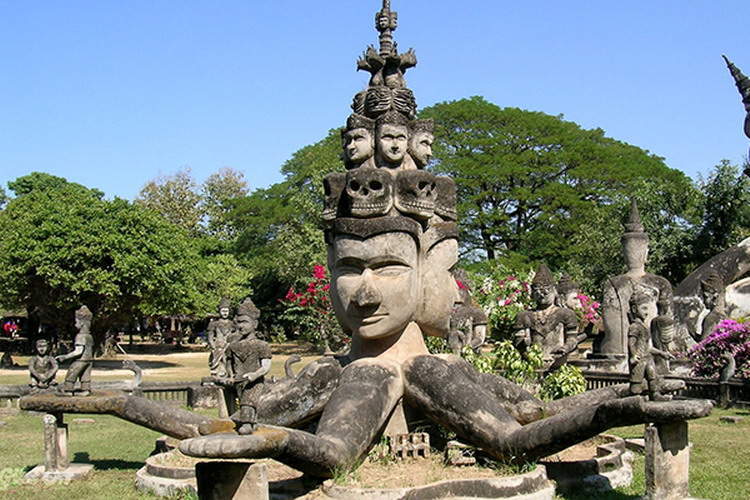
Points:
72	472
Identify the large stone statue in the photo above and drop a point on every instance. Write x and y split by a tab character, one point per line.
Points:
617	290
83	356
554	329
248	361
391	284
644	376
42	367
218	332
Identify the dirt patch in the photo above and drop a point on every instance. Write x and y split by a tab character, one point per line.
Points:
582	451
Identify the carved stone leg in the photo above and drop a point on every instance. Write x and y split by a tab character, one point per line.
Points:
667	461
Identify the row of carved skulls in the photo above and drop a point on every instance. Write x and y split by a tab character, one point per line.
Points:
374	192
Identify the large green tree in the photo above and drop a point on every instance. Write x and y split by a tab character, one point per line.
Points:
176	198
529	184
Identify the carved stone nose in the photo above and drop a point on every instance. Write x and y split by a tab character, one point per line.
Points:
367	295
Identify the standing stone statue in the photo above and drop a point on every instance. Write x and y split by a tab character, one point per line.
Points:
248	361
618	290
83	354
42	367
554	329
713	295
218	333
641	352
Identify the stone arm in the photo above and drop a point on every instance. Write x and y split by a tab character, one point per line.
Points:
572	335
633	348
77	352
522	334
211	334
660	353
265	366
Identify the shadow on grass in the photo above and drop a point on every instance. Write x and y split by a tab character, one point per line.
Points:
116	364
110	464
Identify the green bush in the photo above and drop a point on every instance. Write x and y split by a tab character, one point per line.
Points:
567	381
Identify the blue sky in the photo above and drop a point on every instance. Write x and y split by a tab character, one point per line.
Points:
112	94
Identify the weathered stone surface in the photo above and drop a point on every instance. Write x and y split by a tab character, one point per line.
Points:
231	481
73	472
83	421
163	486
42	367
667	461
729	419
78	378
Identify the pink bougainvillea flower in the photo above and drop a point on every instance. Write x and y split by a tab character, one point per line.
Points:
461	285
319	272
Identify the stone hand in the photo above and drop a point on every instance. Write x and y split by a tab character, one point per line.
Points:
264	442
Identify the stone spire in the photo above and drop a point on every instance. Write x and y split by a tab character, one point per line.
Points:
743	85
633	225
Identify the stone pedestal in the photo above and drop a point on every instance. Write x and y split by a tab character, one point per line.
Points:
396	422
57	466
667	461
231	481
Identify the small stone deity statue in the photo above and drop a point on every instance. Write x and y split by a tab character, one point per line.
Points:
82	354
392	142
42	367
553	328
218	332
420	142
641	352
248	361
713	295
617	290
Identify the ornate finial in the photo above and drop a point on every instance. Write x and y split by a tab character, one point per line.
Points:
743	85
633	225
386	22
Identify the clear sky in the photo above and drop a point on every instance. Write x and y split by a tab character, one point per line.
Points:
111	94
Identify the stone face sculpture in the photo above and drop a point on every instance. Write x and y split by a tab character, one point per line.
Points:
83	354
617	290
42	367
218	332
554	329
643	374
391	285
248	361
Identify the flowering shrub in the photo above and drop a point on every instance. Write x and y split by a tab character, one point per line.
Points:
589	311
312	313
502	298
729	336
568	380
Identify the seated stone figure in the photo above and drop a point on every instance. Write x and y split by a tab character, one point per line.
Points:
391	284
42	367
248	361
554	329
83	356
468	324
643	374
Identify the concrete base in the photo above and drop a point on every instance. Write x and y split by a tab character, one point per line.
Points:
606	365
232	481
163	486
72	473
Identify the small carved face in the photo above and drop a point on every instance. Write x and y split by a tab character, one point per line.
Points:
245	325
370	191
643	310
359	145
416	193
571	300
543	295
224	312
42	347
635	251
392	143
420	147
375	283
333	186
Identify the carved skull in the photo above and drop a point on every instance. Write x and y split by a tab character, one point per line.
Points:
445	203
370	191
416	193
333	186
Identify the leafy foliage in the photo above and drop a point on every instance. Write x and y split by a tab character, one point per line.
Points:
511	364
502	294
219	191
175	198
568	380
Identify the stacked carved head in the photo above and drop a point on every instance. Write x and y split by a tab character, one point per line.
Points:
83	317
